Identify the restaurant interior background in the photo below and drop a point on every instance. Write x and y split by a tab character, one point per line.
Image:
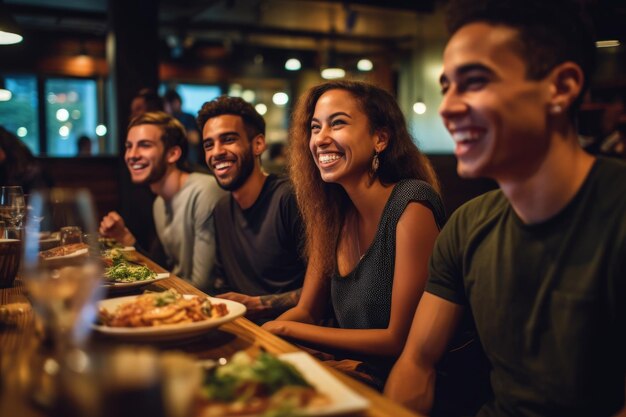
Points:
82	61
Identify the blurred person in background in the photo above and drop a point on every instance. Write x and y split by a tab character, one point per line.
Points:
276	162
83	145
18	166
174	105
146	100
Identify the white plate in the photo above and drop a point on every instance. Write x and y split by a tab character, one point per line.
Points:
169	331
342	399
74	254
125	286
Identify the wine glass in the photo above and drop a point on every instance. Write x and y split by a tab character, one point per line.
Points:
12	206
62	286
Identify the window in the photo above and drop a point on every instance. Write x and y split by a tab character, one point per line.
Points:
20	114
69	106
71	112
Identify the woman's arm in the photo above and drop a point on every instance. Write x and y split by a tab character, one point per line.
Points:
415	237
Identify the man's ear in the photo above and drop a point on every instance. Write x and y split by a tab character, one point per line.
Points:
173	154
566	83
258	144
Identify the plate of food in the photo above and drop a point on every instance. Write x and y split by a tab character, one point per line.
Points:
72	250
128	283
161	316
123	272
109	243
287	384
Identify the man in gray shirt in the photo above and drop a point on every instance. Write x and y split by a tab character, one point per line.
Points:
183	210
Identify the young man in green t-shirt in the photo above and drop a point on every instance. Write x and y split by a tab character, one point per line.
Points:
540	262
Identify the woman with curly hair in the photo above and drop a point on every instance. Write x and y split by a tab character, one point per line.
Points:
372	211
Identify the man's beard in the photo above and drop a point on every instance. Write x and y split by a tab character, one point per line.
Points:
157	173
247	166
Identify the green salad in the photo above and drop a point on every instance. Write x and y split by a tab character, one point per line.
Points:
243	378
124	271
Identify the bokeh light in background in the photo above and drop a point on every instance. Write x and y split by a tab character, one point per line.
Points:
293	64
365	65
261	108
280	98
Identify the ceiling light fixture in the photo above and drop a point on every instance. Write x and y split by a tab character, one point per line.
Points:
293	64
333	73
5	94
10	33
364	65
419	107
332	70
612	43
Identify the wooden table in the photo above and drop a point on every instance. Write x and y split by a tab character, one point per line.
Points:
18	334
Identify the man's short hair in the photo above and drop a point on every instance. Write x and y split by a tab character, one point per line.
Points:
173	132
550	32
254	123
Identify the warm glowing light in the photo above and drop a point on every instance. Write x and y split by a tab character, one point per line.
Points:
364	65
64	132
261	108
248	95
22	132
280	99
234	90
293	64
8	38
63	115
607	44
419	107
5	95
333	73
101	130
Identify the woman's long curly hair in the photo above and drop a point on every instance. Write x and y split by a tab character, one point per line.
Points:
324	206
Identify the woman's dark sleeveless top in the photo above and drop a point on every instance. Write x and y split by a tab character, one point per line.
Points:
362	299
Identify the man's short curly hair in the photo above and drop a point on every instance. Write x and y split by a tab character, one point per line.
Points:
253	122
550	31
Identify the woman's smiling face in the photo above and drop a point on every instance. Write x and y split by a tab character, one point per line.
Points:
341	140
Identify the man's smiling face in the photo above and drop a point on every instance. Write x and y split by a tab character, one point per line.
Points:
495	114
228	150
145	154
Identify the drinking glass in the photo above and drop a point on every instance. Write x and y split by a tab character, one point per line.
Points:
71	234
63	287
12	206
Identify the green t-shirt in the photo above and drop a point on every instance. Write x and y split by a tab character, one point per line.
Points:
549	299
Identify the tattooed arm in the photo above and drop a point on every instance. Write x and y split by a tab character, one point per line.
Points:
265	305
279	303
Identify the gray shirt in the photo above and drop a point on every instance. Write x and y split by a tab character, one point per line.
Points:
185	228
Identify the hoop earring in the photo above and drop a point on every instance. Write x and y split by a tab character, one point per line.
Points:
375	163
